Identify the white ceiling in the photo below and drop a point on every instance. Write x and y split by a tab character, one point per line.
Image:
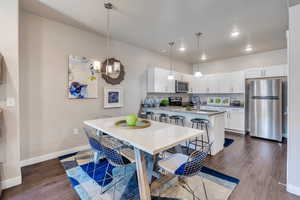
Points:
151	24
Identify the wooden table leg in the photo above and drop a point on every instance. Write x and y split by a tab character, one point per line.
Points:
141	168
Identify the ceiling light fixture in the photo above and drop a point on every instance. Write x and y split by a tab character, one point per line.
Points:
110	67
249	48
198	73
235	34
203	57
182	49
171	74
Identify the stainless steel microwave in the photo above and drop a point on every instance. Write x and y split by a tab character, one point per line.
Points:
181	86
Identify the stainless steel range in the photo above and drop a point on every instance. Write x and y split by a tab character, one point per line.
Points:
265	108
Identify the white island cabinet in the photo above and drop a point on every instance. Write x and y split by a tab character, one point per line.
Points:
216	127
234	118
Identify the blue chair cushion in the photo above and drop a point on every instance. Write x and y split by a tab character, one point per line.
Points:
95	144
180	170
193	166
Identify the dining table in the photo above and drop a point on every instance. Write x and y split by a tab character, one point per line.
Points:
150	141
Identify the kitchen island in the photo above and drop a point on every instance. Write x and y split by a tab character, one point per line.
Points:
216	127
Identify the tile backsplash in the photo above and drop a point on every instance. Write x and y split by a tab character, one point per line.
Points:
185	97
203	97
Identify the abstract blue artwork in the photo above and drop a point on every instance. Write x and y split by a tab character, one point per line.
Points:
113	97
83	81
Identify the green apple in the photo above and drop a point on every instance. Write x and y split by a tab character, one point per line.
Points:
131	120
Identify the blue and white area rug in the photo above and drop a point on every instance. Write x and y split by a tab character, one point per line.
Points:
228	142
79	169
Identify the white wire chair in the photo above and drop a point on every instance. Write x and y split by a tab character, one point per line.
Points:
121	157
186	166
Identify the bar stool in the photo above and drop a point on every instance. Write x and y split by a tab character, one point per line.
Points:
151	114
163	117
176	119
200	123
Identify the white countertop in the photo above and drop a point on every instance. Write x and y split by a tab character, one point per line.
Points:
154	139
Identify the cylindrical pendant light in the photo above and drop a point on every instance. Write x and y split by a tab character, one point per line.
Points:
198	73
171	75
110	67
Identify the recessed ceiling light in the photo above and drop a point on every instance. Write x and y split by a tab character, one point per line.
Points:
182	49
203	57
249	48
235	34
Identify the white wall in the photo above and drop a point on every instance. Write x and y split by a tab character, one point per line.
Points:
264	59
9	117
293	159
47	115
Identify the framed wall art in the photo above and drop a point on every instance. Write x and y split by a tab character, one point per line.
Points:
82	78
113	97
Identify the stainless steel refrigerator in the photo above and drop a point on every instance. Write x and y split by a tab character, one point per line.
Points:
265	109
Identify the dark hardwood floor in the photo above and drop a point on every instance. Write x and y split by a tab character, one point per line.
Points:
260	165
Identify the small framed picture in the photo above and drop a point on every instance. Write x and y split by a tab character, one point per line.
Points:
113	97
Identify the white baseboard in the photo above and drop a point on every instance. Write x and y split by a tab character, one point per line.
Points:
11	182
293	189
50	156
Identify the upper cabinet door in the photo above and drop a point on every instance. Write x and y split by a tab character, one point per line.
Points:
192	84
226	83
199	85
233	82
254	73
212	82
238	82
272	71
158	81
275	71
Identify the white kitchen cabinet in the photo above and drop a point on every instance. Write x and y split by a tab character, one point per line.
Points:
226	83
272	71
233	82
183	77
201	84
235	119
192	85
238	82
198	85
212	84
158	81
254	73
275	71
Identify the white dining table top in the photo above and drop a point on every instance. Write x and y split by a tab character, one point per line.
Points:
154	139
